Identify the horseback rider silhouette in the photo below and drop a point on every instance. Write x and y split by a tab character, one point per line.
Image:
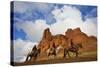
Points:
74	48
34	48
51	50
54	46
72	45
34	53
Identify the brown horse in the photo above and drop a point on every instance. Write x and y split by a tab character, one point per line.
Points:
51	51
73	48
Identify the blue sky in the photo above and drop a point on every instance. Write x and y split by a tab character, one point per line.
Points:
35	11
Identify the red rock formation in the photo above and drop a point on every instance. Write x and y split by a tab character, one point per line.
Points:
91	44
46	40
60	39
47	35
76	35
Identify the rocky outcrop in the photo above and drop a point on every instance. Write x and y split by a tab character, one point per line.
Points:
76	35
60	39
47	35
46	40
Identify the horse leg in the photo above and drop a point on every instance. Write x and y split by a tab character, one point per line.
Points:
77	54
48	55
54	54
27	58
35	56
32	59
68	53
64	53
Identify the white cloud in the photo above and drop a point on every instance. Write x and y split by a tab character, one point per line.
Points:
21	49
70	17
89	27
66	17
66	12
33	30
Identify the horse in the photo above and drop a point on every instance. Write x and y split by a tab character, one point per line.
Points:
58	49
34	54
73	48
51	51
54	51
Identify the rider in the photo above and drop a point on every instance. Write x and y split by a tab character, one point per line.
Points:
54	46
34	49
72	44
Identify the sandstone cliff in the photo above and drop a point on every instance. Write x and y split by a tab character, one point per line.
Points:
77	36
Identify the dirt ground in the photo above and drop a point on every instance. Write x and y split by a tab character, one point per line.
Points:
83	57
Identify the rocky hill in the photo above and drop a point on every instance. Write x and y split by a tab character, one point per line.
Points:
77	36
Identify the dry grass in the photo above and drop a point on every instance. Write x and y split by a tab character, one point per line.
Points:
84	56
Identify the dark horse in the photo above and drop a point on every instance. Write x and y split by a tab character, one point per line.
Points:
51	51
73	48
34	54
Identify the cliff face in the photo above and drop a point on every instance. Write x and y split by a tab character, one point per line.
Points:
46	40
60	40
47	35
76	35
89	42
